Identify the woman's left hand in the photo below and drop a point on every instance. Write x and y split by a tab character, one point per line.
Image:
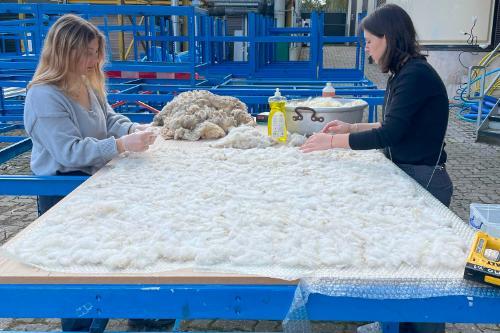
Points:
319	141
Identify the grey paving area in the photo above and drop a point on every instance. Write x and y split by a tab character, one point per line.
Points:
474	168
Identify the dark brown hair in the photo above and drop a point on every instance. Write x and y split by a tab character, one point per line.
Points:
395	24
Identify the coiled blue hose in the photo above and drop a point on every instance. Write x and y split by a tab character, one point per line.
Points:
472	107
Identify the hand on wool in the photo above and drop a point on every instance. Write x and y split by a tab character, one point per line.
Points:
319	141
138	141
143	127
337	127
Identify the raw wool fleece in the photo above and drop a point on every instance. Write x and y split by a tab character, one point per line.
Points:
199	114
256	211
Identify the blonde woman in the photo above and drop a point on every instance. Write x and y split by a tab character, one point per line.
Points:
73	128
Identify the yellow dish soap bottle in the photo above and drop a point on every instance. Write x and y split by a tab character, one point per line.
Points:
276	123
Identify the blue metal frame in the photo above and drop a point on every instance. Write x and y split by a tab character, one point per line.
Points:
16	149
39	185
240	302
255	94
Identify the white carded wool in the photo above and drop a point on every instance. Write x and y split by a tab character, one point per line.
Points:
329	102
199	114
244	137
296	140
187	205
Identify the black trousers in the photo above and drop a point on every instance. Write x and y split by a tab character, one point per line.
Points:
441	187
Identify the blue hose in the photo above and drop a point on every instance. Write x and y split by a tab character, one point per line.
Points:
468	110
474	81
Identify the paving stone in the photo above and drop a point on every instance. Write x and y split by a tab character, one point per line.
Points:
36	327
487	328
268	326
5	323
233	325
334	327
193	325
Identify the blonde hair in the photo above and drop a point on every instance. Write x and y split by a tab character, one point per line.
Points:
65	45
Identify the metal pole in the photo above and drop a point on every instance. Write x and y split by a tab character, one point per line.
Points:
492	53
481	70
121	36
175	28
492	83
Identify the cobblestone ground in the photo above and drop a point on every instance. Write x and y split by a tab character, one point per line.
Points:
473	168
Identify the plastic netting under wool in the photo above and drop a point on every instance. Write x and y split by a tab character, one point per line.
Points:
297	319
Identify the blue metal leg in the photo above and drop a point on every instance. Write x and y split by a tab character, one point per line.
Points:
177	326
98	325
389	327
370	114
15	149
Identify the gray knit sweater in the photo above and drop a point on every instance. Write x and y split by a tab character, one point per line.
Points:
66	137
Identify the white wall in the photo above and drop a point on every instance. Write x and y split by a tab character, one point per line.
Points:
439	22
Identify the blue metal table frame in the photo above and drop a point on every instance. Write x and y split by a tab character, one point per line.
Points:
230	301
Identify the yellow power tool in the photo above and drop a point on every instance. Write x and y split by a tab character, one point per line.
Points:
483	262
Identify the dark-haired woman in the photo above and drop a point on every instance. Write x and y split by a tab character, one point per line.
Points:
415	112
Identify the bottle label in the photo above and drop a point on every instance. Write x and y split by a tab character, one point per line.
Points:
278	125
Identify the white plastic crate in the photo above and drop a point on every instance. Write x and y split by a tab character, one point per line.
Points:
485	217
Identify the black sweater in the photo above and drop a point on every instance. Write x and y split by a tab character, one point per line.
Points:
416	117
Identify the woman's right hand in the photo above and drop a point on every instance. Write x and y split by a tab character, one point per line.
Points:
136	142
337	127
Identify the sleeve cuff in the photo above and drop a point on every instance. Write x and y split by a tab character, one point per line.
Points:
132	128
363	140
124	129
108	149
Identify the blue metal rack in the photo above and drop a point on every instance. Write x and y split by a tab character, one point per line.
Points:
253	93
207	39
205	63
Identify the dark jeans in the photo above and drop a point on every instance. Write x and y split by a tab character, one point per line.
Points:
96	325
46	202
441	188
421	328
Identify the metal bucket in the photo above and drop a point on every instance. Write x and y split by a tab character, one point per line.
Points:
306	120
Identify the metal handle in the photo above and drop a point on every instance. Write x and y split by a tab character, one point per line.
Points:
301	117
482	78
